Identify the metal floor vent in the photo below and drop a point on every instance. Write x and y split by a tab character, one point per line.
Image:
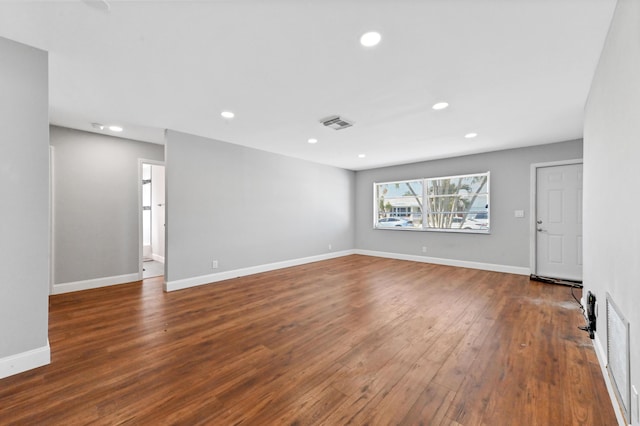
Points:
619	357
336	122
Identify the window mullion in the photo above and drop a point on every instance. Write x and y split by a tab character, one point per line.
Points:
425	204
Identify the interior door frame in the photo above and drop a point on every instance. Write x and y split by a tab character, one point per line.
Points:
533	237
142	161
52	221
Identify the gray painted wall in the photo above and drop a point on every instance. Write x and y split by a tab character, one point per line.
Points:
508	243
611	152
96	204
245	207
24	198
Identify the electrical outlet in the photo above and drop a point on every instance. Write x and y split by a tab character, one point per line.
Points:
214	264
424	249
518	213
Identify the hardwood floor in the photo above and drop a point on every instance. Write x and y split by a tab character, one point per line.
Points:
355	340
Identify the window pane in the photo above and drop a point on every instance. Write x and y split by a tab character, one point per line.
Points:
455	202
146	229
451	203
399	204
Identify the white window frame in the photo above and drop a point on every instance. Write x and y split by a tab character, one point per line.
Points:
479	228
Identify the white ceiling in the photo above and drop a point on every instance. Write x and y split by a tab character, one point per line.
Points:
517	72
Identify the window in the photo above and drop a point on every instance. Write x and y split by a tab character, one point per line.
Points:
454	203
401	201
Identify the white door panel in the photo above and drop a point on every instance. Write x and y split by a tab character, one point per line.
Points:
559	221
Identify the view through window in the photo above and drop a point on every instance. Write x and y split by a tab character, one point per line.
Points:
454	203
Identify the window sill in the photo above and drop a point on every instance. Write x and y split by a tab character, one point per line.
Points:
450	231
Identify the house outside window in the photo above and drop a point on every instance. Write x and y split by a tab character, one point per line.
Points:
451	204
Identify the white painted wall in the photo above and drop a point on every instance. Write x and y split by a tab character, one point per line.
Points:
24	208
611	200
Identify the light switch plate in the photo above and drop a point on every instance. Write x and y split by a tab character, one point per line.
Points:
518	213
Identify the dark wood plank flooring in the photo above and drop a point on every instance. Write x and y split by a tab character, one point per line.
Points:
355	340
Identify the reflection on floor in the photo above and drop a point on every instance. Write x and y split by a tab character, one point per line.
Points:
152	268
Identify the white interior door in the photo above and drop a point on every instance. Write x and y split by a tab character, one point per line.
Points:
559	221
146	211
157	213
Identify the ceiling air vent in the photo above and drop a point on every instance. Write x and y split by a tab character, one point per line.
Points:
336	122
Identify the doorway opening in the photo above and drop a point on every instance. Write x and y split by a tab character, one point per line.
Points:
152	219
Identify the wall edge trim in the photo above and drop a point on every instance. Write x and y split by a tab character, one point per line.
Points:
519	270
94	283
602	360
251	270
28	360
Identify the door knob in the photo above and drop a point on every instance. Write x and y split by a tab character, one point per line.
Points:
539	221
540	229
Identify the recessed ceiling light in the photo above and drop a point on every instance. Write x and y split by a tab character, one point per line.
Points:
115	128
440	105
227	114
370	39
362	155
312	140
470	135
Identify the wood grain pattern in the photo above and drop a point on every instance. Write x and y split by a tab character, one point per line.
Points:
355	340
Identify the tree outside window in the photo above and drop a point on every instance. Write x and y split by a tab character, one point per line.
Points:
454	203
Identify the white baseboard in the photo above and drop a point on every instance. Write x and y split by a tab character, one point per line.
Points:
602	355
94	283
449	262
157	258
602	360
24	361
221	276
